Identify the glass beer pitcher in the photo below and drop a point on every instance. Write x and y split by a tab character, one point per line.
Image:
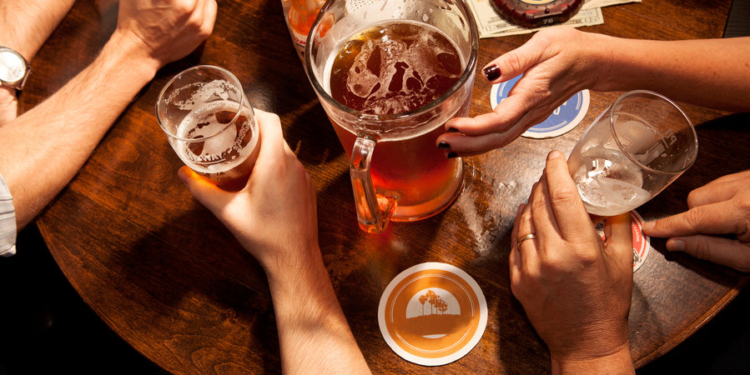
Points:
389	74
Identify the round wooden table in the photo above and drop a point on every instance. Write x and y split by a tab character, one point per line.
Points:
165	275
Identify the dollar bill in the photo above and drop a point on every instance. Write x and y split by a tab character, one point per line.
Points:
588	4
491	25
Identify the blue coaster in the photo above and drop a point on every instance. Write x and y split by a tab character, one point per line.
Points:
566	117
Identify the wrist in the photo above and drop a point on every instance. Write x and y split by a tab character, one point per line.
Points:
603	60
22	48
288	267
129	52
306	275
8	104
7	96
616	362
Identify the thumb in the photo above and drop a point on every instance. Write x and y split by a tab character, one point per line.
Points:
723	251
203	190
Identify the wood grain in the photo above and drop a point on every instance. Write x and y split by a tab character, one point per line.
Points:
165	275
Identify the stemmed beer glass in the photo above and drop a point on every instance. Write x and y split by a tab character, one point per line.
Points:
632	151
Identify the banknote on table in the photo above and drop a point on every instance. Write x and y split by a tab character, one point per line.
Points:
491	25
588	4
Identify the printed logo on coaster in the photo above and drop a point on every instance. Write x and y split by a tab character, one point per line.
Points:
641	242
432	314
566	117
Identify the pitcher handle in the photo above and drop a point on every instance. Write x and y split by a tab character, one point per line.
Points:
374	209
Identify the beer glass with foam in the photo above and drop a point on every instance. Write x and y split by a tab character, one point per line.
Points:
635	149
210	124
389	74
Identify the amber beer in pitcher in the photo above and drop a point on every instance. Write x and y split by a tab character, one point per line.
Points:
389	75
395	68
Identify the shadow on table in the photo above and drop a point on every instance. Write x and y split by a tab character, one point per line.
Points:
223	275
718	348
46	328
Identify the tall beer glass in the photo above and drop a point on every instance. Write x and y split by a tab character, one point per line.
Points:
396	170
210	124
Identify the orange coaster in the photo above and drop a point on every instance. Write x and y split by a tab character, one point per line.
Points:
432	314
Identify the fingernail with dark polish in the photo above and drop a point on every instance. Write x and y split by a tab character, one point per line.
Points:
452	130
452	155
492	72
444	146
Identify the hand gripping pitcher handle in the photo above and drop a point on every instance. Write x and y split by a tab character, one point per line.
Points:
374	209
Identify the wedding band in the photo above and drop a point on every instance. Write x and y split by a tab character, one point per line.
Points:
529	236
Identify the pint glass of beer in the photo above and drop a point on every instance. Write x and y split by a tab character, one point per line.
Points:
389	74
210	124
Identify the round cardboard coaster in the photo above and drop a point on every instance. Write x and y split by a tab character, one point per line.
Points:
432	314
566	117
641	242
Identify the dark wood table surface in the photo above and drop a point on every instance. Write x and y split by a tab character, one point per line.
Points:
165	275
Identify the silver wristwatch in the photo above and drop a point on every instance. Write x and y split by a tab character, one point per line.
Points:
14	69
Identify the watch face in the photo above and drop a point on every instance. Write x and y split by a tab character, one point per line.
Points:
12	67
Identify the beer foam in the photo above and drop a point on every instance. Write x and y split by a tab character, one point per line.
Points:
405	67
222	138
205	92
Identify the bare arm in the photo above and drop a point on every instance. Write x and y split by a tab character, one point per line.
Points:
314	335
274	217
560	61
44	148
24	27
712	73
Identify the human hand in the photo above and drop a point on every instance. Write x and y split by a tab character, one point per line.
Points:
556	63
168	30
575	289
274	216
721	207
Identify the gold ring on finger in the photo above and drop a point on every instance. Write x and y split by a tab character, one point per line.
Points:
529	236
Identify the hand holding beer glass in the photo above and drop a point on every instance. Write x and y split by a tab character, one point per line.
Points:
210	124
635	149
389	74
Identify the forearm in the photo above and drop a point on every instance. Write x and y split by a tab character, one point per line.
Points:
26	25
617	363
713	73
45	147
313	332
